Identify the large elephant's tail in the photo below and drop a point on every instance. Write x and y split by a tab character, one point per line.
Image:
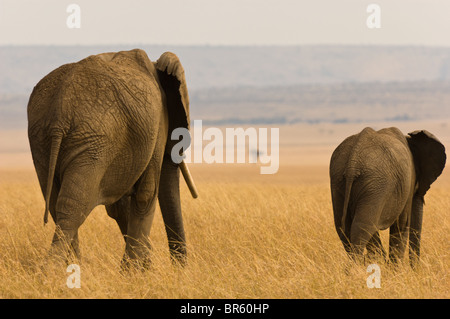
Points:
54	151
348	190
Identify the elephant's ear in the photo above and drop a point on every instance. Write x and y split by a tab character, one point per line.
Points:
172	79
429	158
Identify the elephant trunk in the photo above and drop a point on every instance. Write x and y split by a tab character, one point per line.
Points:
169	201
415	229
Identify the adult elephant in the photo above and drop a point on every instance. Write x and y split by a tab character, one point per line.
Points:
378	181
99	133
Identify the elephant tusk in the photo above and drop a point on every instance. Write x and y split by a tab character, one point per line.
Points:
188	178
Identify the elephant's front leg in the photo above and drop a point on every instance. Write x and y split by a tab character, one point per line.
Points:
169	201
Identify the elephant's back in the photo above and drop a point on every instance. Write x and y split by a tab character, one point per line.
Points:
109	114
372	154
96	89
108	101
105	84
385	167
384	148
114	107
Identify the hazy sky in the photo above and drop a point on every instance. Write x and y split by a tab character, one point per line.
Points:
230	22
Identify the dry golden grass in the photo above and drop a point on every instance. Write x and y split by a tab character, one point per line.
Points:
249	236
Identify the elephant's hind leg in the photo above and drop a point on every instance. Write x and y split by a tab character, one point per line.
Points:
343	231
364	228
398	237
140	217
119	211
65	245
75	201
361	234
134	220
74	247
375	248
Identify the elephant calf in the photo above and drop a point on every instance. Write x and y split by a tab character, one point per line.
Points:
379	180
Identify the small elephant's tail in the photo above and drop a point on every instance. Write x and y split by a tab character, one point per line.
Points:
54	151
348	190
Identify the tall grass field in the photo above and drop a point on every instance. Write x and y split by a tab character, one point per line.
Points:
249	236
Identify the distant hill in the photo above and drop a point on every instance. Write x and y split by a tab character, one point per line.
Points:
22	67
334	103
268	84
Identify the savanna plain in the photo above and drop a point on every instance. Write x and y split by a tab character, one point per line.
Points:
249	235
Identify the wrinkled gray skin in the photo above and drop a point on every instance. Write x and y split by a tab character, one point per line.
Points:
378	181
98	132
